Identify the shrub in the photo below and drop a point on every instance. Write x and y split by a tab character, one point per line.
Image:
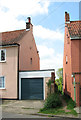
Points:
71	104
49	83
53	101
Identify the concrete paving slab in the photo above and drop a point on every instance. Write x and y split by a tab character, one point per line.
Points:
22	106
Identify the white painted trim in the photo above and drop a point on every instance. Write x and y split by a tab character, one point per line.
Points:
73	38
35	74
67	22
19	88
2	88
4	82
44	87
3	61
0	55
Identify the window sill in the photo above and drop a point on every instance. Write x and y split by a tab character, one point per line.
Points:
2	61
2	88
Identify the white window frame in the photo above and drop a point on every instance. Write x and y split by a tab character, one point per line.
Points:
0	55
4	82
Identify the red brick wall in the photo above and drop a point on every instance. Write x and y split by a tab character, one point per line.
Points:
76	67
72	48
67	67
73	52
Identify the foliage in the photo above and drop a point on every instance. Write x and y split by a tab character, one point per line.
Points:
59	72
70	103
52	111
52	101
57	111
60	79
49	83
49	86
56	88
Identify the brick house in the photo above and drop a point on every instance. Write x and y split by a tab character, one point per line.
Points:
72	58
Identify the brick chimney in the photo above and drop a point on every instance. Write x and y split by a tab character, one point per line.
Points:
29	20
67	17
28	23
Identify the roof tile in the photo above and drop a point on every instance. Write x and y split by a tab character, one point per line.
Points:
11	37
74	28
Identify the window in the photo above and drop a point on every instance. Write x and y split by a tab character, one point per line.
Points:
66	59
2	82
30	60
2	55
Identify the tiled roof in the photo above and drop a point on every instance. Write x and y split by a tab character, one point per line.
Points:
74	28
11	37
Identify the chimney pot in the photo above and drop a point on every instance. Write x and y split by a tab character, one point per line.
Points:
67	17
29	20
28	23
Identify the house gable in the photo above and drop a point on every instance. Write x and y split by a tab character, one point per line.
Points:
28	53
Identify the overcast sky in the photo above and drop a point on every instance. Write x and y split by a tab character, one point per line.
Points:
48	19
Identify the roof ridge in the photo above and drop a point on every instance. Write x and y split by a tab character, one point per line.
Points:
13	31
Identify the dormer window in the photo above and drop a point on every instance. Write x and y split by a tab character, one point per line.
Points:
2	55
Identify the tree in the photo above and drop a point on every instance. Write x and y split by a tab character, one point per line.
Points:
60	79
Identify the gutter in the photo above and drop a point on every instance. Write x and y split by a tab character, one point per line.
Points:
74	38
37	70
8	45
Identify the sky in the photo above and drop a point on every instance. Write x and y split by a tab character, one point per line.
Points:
48	19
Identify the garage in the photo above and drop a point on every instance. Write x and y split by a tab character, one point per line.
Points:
32	88
33	84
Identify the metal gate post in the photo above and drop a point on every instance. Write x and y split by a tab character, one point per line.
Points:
74	89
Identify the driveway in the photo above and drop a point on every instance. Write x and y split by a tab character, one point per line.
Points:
27	107
22	109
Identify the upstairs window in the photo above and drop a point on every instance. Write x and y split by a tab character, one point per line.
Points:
2	55
66	59
2	82
31	61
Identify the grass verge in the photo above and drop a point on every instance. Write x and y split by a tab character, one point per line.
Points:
57	111
60	110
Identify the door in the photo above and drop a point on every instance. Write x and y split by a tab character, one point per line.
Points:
32	88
